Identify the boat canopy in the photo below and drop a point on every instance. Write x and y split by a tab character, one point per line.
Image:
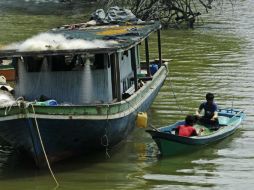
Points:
92	39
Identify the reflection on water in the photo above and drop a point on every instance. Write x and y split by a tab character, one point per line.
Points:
5	154
198	170
216	57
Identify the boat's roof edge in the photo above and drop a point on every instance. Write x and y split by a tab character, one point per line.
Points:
122	45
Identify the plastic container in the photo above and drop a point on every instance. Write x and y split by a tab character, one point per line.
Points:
141	120
47	103
154	68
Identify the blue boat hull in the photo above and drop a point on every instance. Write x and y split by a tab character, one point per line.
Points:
64	138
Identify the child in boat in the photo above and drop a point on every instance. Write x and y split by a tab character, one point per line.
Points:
210	117
187	129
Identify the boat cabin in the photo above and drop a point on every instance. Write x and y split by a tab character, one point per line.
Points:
83	65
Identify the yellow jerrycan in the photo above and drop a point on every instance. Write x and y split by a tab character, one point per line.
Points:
141	121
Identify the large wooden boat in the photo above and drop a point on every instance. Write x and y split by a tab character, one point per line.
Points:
95	79
170	144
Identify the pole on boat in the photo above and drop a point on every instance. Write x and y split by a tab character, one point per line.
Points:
119	97
147	57
134	67
159	46
113	76
115	71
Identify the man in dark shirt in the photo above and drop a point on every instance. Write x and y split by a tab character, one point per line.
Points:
210	108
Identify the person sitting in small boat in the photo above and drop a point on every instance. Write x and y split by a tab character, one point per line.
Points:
187	129
210	117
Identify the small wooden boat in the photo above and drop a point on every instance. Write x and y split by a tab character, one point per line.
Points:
171	144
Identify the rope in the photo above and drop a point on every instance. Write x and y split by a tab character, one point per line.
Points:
106	136
171	86
20	101
17	102
43	148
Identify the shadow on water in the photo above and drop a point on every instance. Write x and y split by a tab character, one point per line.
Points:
93	170
136	165
12	160
19	172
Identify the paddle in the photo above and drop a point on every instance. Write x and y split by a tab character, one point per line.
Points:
154	128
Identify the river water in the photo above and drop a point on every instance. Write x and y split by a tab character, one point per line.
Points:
214	57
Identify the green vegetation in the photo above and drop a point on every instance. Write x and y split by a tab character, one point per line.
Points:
171	13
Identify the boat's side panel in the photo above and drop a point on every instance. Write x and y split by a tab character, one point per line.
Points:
69	87
199	140
64	137
170	144
171	148
17	133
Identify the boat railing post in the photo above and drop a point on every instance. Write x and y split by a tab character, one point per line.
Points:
117	72
147	57
159	46
115	76
134	67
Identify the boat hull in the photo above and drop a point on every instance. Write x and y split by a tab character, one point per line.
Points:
170	144
71	130
65	138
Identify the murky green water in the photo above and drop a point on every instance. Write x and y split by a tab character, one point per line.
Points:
216	57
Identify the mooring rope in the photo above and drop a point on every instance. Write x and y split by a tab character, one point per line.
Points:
43	148
20	101
171	86
106	145
17	102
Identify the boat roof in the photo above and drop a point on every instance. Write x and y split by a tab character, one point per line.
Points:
118	37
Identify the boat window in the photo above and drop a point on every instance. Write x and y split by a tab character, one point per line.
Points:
78	63
125	87
33	64
63	62
67	63
98	61
126	53
58	63
5	62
